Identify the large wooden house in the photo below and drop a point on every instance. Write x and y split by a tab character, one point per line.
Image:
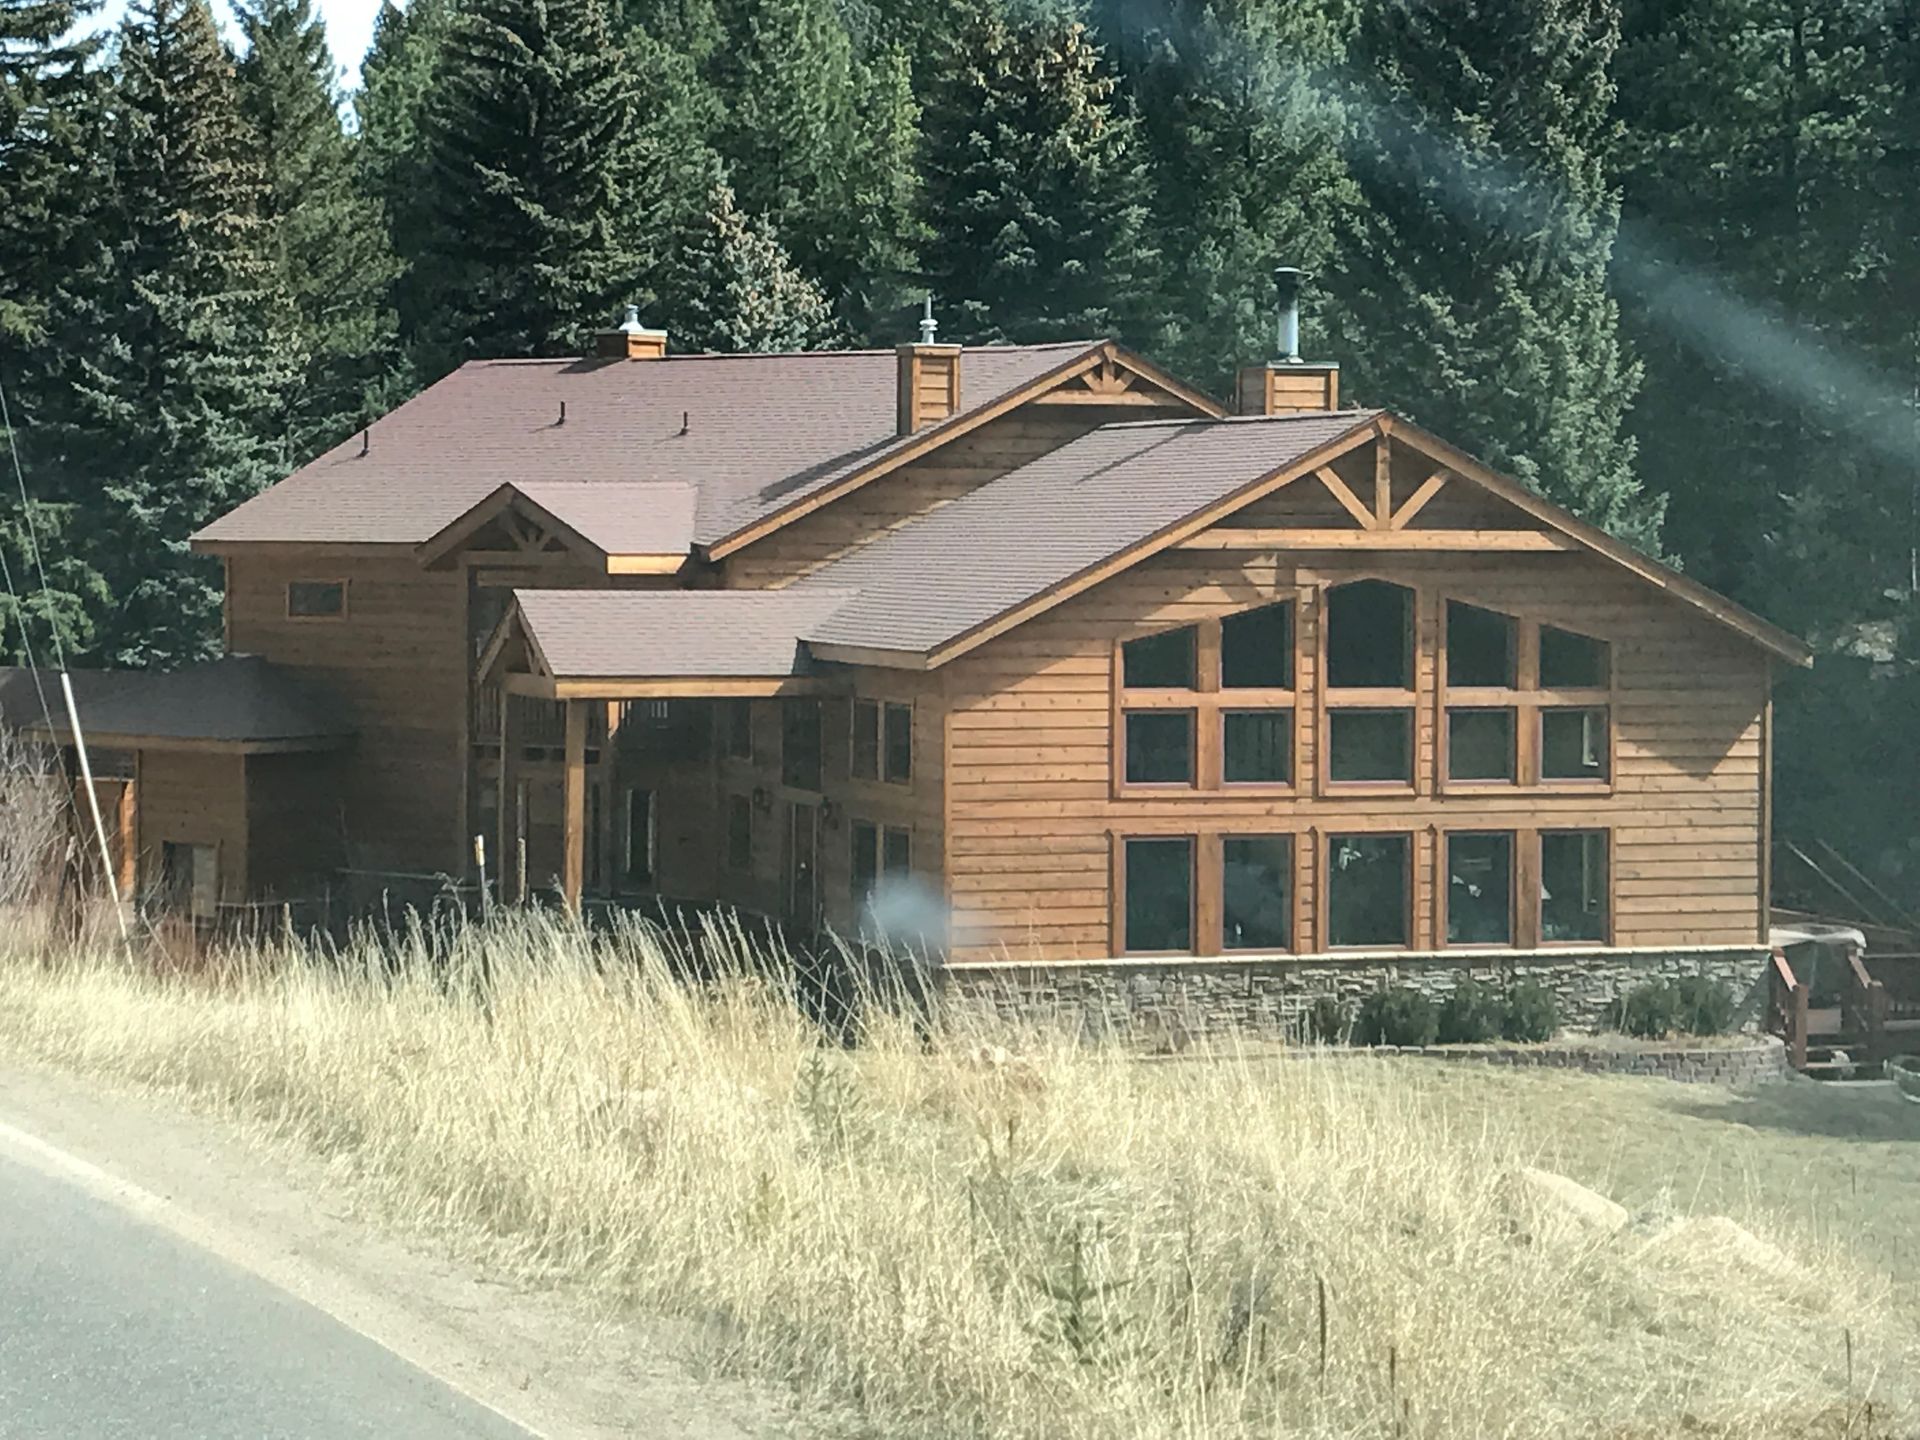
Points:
1099	667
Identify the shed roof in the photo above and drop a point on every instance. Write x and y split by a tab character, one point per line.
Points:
750	433
673	634
236	700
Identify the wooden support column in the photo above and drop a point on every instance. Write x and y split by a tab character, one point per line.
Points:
574	867
506	861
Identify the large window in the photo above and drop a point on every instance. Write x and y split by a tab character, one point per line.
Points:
1573	743
800	744
1525	704
1256	892
1256	747
1157	880
1256	649
1369	689
1573	886
1210	704
1480	744
1368	887
1160	662
1479	879
881	746
1159	747
1573	662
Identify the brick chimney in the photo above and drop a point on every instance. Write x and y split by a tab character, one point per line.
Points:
1288	385
928	377
630	340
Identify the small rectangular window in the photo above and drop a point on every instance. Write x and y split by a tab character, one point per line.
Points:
1573	662
316	599
1159	747
1159	894
1370	745
899	743
1159	662
1480	745
1573	744
739	833
1368	881
1256	649
1481	647
1480	889
637	843
1573	885
800	744
864	755
1256	892
739	723
1257	747
864	868
896	852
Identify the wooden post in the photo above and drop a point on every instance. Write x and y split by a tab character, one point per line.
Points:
507	808
574	868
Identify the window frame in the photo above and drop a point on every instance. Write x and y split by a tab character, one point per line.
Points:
863	727
1208	701
1323	890
1537	888
889	711
1327	699
1196	869
325	616
1443	887
1213	854
817	770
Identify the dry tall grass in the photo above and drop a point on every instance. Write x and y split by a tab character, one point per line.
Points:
1075	1244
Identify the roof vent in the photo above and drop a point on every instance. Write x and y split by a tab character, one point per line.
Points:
1289	385
630	340
928	377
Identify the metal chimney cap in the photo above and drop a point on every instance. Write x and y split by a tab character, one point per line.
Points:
631	325
1288	279
929	326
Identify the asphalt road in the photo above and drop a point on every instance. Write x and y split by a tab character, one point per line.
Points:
113	1327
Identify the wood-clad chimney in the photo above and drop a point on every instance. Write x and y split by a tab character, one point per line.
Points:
928	377
630	340
1288	385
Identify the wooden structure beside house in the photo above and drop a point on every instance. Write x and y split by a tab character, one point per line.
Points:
1095	667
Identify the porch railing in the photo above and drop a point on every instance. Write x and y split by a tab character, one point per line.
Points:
1787	1009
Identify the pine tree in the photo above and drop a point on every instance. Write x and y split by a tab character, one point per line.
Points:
1036	185
738	290
175	353
530	132
1246	138
327	243
1477	284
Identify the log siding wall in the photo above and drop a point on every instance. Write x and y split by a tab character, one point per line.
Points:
1034	814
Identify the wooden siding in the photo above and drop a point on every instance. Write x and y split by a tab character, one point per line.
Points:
1032	801
193	797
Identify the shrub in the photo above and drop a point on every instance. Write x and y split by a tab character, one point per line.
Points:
1703	1005
1471	1014
1532	1013
1396	1017
1648	1010
1328	1021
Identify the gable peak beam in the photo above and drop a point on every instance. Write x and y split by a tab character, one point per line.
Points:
1349	501
1416	502
1383	481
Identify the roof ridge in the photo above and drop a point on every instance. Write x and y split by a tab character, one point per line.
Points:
868	352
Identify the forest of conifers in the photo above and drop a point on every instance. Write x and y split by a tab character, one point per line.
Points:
1658	258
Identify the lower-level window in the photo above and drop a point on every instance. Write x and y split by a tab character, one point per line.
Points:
1368	884
878	851
1480	889
1158	879
190	879
1573	885
1256	892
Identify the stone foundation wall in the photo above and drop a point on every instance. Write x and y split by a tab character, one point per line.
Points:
1762	1060
1101	997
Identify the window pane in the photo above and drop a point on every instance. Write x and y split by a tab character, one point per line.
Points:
1480	889
896	856
1159	881
1159	662
310	598
1573	885
1480	744
1370	636
638	840
1367	889
1258	746
1256	892
1159	747
1256	649
1480	646
865	860
899	743
864	757
739	832
1572	662
1573	744
1370	744
800	744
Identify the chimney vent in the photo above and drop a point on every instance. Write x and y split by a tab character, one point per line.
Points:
630	340
928	377
1288	385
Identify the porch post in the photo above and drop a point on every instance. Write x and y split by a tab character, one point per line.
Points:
506	867
573	874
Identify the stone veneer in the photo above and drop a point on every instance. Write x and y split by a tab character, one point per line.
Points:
1272	994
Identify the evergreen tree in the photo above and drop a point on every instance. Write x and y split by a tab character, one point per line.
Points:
530	131
1246	139
1477	283
328	246
1036	185
176	356
739	291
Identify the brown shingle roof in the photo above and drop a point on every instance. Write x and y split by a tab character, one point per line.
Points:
1016	537
665	634
648	518
238	699
761	432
